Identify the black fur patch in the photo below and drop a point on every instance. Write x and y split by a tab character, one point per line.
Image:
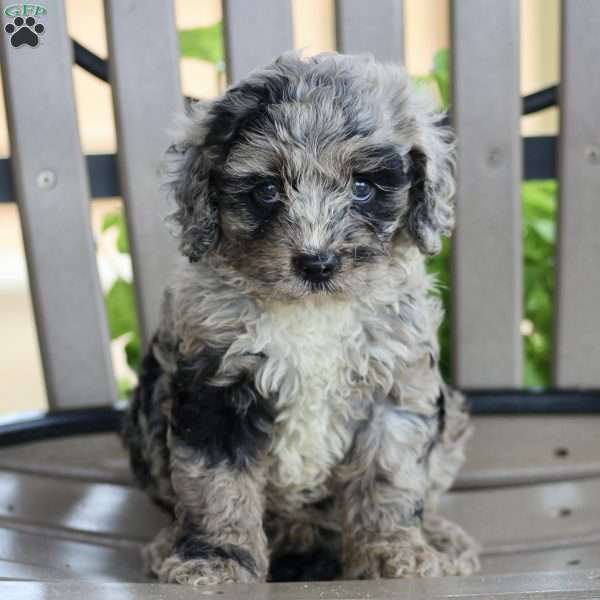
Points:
320	565
142	406
132	438
392	170
419	509
236	195
244	108
441	427
326	504
363	254
191	546
227	424
420	214
390	176
441	408
431	360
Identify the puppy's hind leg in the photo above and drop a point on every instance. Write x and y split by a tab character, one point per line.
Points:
446	458
383	486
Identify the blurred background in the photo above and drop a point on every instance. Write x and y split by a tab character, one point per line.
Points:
427	38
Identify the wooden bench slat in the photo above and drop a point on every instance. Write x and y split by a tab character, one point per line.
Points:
558	585
577	350
255	33
83	510
580	556
508	451
52	191
144	72
25	554
373	27
487	301
93	458
529	517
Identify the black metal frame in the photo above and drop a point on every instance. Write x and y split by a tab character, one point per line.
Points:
539	163
59	424
83	421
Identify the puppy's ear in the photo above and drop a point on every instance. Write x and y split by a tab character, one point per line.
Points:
431	209
189	171
206	135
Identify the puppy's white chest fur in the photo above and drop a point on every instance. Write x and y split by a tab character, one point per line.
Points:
305	370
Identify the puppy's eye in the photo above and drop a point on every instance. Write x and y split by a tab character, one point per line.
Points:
363	191
267	193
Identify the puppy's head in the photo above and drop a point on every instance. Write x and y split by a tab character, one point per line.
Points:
309	174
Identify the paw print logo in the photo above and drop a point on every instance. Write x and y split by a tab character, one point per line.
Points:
24	31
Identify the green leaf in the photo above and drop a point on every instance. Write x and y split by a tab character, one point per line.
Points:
116	219
120	308
134	353
545	228
124	388
111	220
440	267
122	318
441	74
423	80
539	238
539	198
533	377
203	43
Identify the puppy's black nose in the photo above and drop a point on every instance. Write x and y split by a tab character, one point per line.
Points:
316	267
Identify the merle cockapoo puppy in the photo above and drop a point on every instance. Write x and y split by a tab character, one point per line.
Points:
291	400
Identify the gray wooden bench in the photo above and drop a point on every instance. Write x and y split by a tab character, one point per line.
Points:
72	523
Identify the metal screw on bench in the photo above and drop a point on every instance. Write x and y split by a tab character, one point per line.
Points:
495	157
592	153
46	179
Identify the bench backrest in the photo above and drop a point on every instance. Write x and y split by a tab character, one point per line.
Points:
52	188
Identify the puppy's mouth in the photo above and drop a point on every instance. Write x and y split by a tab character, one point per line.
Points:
321	287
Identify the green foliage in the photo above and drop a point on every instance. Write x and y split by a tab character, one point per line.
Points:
203	43
116	220
440	266
120	301
122	318
441	75
539	228
539	237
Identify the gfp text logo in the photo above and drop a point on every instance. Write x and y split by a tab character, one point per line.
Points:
25	10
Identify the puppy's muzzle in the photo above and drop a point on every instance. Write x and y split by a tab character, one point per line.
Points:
316	268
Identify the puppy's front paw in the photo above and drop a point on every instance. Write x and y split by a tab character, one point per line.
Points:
450	539
394	560
200	571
